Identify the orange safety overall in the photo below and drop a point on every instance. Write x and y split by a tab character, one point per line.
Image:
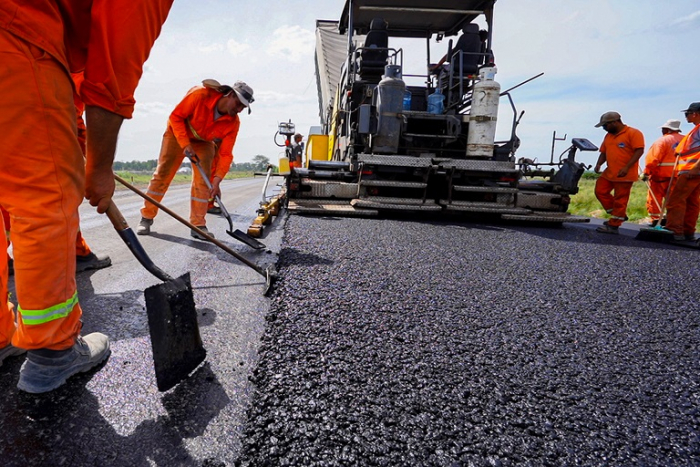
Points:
684	201
612	191
193	122
658	166
43	187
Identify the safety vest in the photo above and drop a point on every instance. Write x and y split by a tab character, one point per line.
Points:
687	156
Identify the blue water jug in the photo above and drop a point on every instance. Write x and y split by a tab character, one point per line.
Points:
436	102
407	100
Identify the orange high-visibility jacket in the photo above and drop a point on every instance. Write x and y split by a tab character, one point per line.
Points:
97	27
661	157
688	151
618	150
193	119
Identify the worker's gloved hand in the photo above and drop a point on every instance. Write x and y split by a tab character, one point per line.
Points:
644	177
215	190
191	155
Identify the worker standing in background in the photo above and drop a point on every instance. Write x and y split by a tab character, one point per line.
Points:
43	184
296	153
207	113
621	149
684	201
658	168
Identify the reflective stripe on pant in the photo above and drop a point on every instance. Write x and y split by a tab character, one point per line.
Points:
658	189
683	205
42	178
169	160
614	197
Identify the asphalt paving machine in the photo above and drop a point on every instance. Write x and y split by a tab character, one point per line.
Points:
428	146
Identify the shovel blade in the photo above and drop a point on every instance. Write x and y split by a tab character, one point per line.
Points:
247	239
175	339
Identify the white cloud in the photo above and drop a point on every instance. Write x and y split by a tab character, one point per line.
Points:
236	48
688	20
292	43
215	47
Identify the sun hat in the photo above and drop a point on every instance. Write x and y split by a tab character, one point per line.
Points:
244	93
673	125
608	117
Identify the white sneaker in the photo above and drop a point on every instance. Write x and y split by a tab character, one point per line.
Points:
144	227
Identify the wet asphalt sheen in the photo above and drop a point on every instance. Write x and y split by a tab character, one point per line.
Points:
393	343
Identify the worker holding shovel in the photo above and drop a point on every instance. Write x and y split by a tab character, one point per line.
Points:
40	42
207	114
658	168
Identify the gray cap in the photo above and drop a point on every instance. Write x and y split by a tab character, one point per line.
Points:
608	117
244	93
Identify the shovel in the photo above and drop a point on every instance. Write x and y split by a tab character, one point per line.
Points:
268	273
237	234
172	317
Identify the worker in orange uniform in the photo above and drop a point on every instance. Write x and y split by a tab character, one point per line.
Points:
296	153
41	42
85	259
684	201
207	113
658	168
621	149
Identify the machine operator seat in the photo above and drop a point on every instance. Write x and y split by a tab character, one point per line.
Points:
372	61
470	44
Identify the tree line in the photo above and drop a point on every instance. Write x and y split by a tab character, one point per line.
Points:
259	164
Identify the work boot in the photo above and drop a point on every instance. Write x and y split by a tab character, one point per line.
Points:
91	261
196	235
654	223
45	370
689	237
214	210
144	227
10	351
607	228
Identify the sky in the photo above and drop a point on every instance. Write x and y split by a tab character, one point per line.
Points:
637	57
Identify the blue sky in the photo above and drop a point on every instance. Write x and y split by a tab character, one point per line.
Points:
635	57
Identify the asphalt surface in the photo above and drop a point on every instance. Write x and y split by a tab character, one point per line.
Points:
399	343
384	342
115	416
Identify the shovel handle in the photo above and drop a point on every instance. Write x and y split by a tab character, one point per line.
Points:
116	218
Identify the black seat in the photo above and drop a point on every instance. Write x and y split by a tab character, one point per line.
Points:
375	51
470	46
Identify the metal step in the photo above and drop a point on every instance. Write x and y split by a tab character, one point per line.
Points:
390	200
474	206
329	189
327	207
404	206
484	189
393	183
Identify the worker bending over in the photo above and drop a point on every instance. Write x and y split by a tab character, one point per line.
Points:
621	149
43	184
208	114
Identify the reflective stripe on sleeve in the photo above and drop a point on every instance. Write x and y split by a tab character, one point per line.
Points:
49	314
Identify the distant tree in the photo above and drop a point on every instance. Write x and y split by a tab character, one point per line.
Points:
260	163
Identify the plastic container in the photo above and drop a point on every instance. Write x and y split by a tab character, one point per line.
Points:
284	165
436	102
407	100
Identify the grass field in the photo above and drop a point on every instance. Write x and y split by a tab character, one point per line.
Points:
584	203
140	180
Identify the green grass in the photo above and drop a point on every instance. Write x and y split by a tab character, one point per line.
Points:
141	179
584	203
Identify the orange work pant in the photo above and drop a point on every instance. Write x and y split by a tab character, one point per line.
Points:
613	196
81	246
656	195
43	181
684	205
169	161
